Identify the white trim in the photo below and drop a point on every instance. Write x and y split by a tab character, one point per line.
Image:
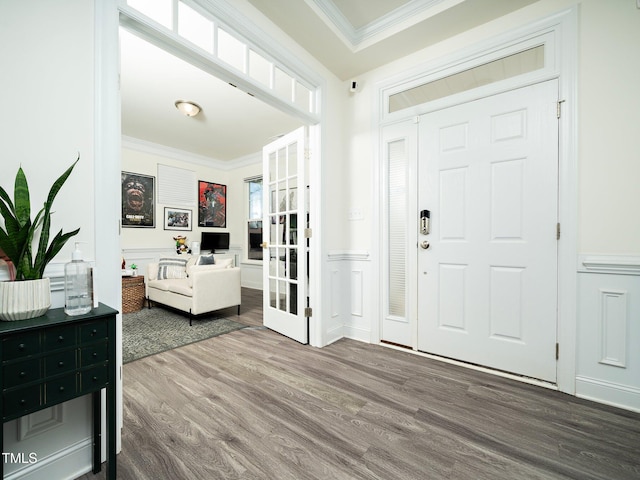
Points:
401	18
612	264
348	255
151	148
609	393
561	32
106	178
72	460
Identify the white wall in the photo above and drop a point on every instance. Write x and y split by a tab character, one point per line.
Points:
157	238
47	94
143	245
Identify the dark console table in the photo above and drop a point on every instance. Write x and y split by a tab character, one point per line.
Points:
54	358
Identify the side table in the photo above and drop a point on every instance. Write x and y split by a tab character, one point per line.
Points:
133	293
53	358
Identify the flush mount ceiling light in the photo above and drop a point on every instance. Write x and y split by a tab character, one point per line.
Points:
190	109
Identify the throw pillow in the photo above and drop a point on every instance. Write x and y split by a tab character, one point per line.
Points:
205	260
172	268
225	262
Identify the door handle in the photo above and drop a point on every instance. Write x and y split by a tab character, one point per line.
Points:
264	244
424	244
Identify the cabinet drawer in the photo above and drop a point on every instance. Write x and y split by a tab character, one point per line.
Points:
60	389
60	337
60	362
93	354
19	346
93	331
18	402
93	379
21	372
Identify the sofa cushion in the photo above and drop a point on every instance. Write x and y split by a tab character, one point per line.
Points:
174	285
159	284
182	287
172	268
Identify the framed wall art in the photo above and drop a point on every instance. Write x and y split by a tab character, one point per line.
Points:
138	200
177	219
212	204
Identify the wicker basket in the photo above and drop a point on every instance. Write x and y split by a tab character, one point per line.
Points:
132	294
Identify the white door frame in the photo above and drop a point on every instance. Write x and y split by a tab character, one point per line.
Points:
559	35
107	166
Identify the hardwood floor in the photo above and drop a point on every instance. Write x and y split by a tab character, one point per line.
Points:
255	405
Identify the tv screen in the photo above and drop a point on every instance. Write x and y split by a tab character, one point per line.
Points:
214	241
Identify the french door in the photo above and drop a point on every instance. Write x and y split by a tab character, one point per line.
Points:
285	283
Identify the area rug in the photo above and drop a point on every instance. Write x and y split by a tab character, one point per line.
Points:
155	330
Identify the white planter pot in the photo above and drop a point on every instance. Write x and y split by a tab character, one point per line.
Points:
25	299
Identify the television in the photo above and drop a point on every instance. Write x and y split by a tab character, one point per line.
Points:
214	241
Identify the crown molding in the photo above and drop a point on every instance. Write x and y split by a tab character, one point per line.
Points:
411	13
144	146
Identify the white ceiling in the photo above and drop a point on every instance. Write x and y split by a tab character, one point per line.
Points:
231	124
348	36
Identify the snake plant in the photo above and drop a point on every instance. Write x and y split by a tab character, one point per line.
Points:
19	232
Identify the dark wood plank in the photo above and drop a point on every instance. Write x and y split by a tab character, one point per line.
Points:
255	405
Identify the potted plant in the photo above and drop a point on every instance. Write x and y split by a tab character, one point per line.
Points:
28	294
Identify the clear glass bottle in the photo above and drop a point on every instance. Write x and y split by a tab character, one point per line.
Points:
78	285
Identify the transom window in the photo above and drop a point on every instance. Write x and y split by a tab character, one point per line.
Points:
193	23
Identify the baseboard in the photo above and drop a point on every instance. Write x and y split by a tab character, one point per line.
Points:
609	393
253	285
355	333
69	463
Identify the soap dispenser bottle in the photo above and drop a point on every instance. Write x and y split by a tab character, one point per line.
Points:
78	285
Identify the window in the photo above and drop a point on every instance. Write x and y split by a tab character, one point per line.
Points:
254	218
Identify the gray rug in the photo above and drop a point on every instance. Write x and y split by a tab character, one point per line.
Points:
156	330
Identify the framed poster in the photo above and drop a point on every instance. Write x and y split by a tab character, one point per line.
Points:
138	200
212	204
177	219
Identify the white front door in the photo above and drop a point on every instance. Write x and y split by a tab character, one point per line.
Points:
285	246
487	283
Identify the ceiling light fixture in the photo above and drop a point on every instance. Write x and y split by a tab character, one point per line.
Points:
190	109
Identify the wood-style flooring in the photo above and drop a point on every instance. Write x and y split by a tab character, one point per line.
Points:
253	404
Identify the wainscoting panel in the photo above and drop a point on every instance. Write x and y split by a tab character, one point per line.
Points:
357	287
350	306
614	319
608	363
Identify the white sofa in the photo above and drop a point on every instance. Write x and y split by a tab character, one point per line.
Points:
194	289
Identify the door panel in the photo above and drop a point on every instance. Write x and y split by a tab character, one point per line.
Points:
284	278
487	284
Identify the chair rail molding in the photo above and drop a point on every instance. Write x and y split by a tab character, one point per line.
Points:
614	264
